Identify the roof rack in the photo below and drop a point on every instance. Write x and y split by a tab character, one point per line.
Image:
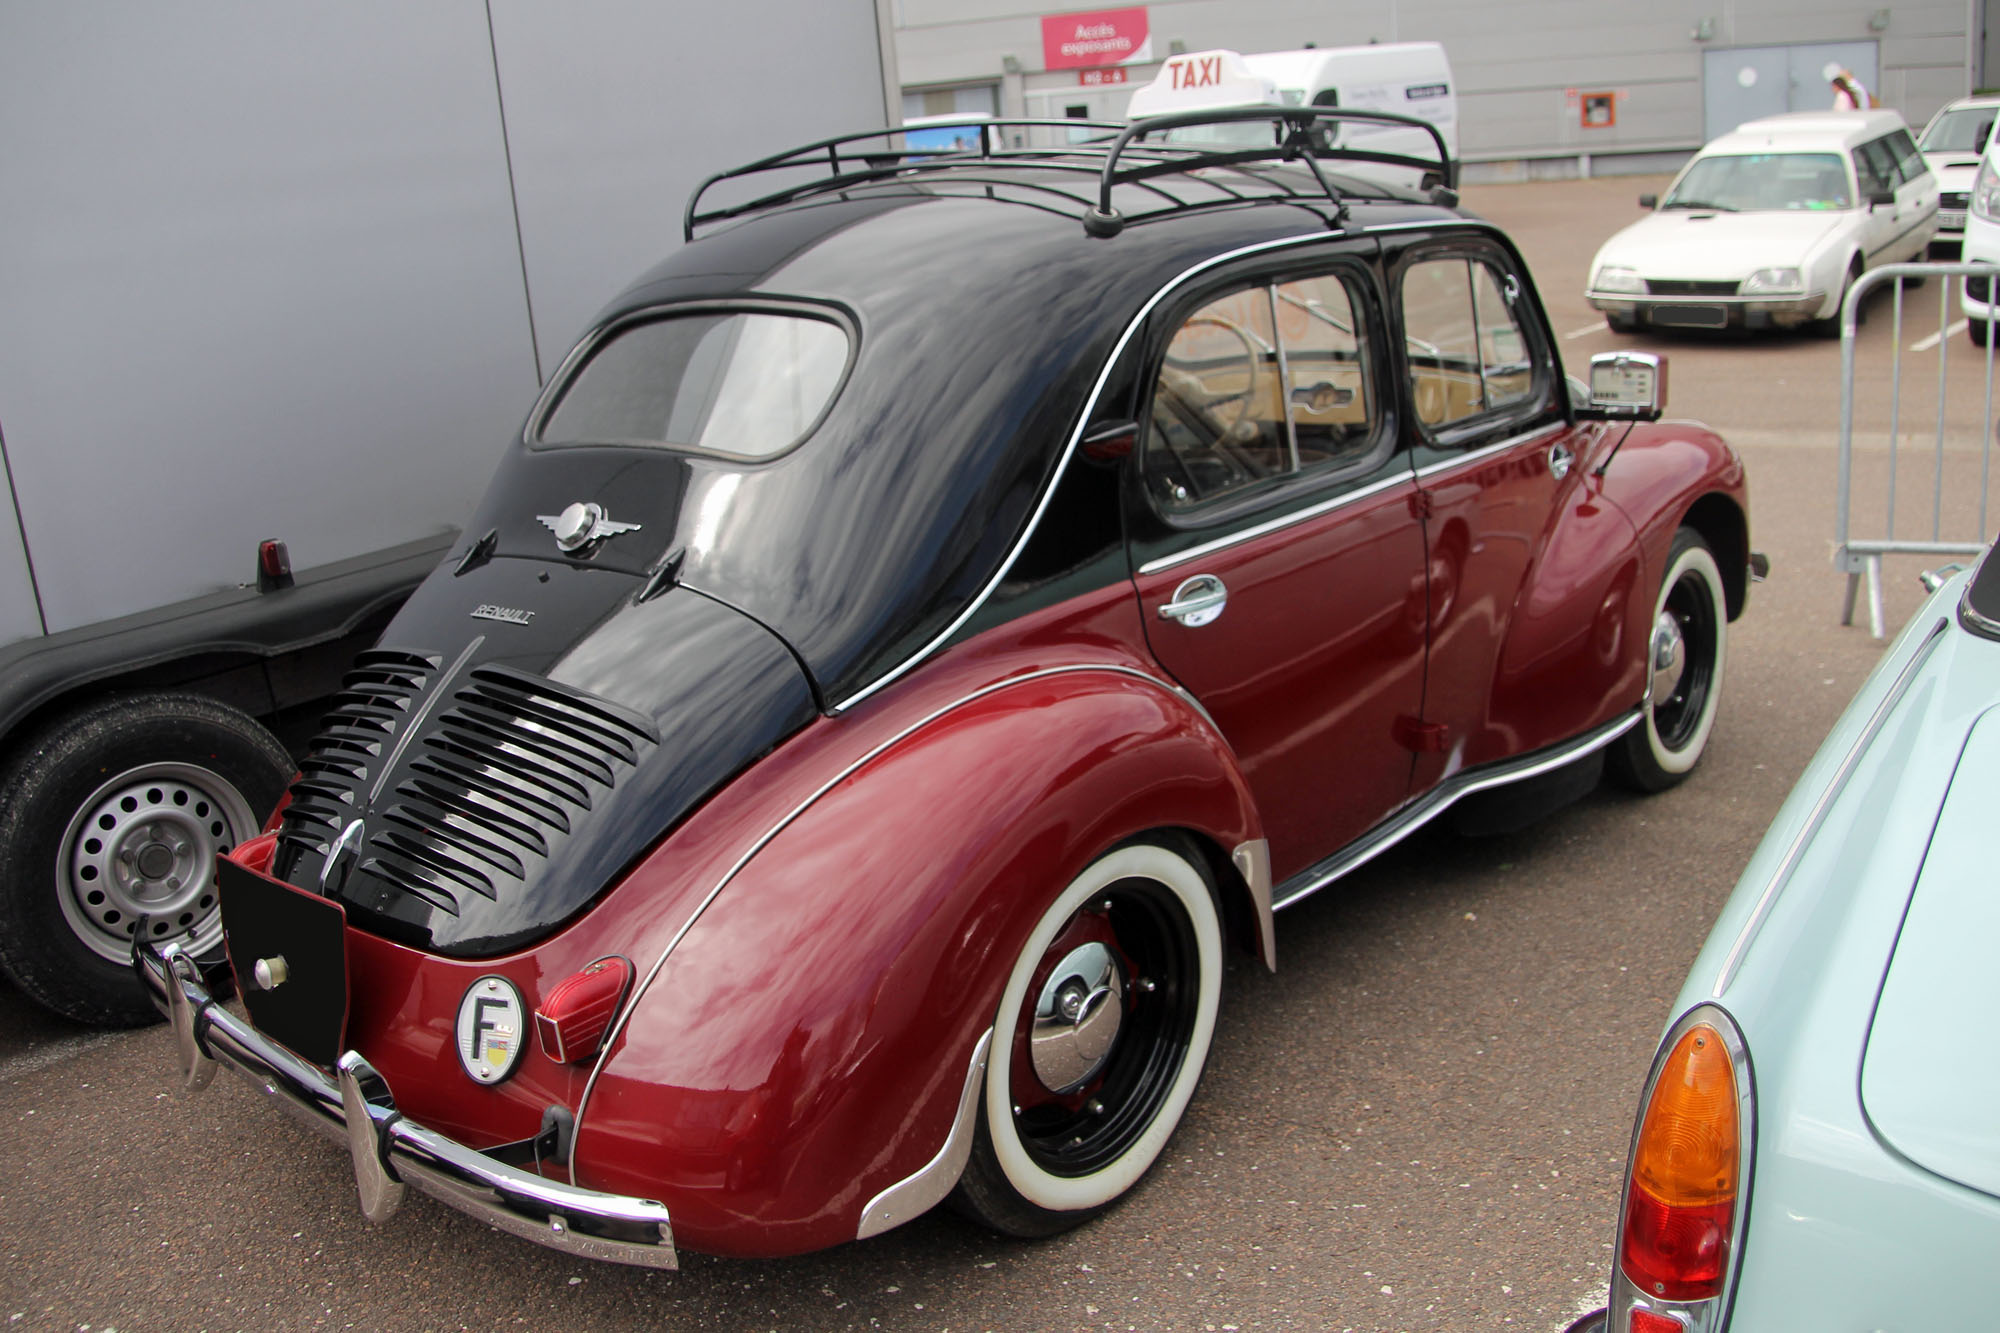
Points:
886	160
847	162
1293	141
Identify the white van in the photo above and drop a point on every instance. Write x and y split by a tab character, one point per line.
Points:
1405	78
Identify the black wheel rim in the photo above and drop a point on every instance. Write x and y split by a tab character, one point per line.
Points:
1691	603
1080	1134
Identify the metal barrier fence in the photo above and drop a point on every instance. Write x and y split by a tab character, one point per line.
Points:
1961	534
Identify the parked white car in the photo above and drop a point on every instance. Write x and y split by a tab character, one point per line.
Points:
1770	224
1952	144
1982	246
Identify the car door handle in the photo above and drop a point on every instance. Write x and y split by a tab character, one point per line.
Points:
1561	456
1197	602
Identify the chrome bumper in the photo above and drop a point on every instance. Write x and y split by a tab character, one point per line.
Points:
355	1107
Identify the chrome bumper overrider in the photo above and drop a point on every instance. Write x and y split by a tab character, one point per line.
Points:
355	1107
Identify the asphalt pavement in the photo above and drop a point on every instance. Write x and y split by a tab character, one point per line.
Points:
1417	1123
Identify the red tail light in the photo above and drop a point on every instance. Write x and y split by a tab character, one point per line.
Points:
255	853
274	565
572	1021
1645	1321
1680	1198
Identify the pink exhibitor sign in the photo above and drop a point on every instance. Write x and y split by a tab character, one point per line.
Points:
1099	37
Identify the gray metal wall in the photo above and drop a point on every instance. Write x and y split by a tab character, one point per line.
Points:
260	272
1514	62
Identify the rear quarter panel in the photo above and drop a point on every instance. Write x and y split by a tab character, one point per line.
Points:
805	1045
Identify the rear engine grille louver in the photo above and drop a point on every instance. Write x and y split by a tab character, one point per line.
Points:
478	800
352	742
497	781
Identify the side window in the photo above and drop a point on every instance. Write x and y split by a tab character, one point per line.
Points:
1909	162
1264	383
1467	351
1875	168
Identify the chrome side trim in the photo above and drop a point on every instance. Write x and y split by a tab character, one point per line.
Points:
1830	793
1277	524
1090	407
918	1193
1253	861
632	1006
1439	799
391	1150
1484	452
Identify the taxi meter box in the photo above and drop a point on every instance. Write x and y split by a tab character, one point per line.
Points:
1404	78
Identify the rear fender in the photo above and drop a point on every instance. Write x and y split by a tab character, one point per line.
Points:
805	1045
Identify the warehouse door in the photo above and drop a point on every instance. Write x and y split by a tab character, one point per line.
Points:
1752	81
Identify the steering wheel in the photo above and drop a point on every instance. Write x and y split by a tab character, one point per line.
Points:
1208	403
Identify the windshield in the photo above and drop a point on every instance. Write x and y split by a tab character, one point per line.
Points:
1963	131
1750	182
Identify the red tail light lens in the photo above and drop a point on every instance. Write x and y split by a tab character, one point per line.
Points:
1680	1201
1645	1321
572	1021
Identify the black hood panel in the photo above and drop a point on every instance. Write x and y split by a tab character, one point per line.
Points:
499	774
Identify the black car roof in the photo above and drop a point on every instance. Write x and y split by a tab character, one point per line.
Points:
986	316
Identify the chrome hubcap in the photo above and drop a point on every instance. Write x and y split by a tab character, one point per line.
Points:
144	844
1669	658
1077	1017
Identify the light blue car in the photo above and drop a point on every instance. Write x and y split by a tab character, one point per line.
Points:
1818	1144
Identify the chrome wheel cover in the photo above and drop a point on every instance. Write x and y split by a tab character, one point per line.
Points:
1077	1017
1669	658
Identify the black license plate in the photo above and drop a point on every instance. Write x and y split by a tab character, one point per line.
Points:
1691	316
300	941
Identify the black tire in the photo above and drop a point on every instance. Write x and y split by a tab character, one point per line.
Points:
1680	707
1979	331
115	810
1830	326
1044	1160
1622	323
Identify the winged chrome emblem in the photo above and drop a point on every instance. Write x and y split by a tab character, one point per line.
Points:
581	524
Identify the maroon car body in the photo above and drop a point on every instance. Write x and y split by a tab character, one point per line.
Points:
855	719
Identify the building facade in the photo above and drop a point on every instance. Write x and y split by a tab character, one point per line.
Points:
1546	88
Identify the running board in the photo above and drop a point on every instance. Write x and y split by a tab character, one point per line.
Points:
1439	799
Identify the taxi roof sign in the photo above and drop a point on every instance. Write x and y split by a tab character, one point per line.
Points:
1199	80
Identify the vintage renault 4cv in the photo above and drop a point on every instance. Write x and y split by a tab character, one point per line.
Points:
925	623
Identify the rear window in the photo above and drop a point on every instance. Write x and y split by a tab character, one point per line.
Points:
739	384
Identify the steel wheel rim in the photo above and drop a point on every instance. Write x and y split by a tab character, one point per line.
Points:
1691	602
144	844
1082	1132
